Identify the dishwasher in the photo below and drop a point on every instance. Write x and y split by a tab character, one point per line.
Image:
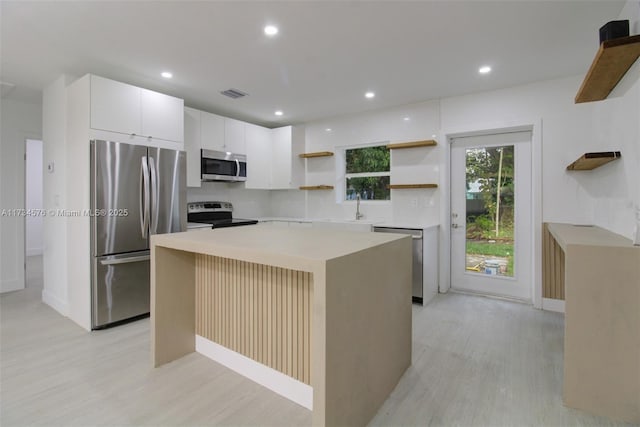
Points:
417	250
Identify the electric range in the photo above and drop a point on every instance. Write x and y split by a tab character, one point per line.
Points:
216	214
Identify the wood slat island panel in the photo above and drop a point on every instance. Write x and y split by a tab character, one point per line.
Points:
552	266
202	282
257	310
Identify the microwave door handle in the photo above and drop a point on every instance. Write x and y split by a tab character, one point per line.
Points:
237	168
144	197
155	201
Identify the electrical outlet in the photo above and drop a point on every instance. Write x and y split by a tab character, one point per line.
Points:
413	203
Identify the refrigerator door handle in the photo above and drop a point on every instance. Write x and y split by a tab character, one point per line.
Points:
155	199
116	261
144	197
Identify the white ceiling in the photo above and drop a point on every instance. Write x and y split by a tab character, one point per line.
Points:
327	54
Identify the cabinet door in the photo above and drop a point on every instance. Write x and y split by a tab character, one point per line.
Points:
234	136
258	147
162	116
281	158
212	132
115	106
192	145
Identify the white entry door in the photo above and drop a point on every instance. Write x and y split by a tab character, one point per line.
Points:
491	230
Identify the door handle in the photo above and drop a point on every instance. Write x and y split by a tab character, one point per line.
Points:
155	202
128	260
144	197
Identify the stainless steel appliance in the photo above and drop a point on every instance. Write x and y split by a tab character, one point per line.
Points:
136	191
222	166
417	282
217	214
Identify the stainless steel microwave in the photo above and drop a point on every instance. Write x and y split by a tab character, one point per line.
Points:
222	166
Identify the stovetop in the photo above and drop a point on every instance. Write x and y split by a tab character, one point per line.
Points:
218	214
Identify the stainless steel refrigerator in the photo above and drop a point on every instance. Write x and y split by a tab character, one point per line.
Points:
136	191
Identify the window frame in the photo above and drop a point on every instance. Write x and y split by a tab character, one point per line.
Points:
344	175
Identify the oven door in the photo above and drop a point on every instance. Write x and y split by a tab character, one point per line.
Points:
221	166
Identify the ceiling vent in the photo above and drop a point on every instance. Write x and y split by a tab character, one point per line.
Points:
234	93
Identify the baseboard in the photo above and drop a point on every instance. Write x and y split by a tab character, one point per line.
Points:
11	285
34	251
550	304
56	303
284	385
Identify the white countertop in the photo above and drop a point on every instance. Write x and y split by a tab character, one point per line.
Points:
374	222
300	249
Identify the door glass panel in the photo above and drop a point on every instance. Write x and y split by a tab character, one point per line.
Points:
490	201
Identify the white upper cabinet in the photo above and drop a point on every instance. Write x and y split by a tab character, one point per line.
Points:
123	108
222	133
287	168
234	136
192	145
159	112
212	131
259	145
273	160
115	106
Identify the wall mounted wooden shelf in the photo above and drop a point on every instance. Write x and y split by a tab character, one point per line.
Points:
410	186
317	187
613	60
414	144
318	154
590	161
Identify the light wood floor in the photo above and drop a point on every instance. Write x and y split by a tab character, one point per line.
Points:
476	362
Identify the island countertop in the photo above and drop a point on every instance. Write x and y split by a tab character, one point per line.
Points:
300	249
322	317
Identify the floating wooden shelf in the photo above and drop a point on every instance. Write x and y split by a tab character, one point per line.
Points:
613	60
318	154
590	161
414	144
410	186
317	187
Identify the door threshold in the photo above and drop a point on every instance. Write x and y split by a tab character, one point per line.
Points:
492	296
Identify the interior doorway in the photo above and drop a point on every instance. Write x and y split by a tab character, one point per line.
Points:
491	214
34	235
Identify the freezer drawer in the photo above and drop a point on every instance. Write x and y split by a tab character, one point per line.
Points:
120	288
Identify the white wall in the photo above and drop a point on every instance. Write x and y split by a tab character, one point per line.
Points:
419	165
18	121
33	202
55	292
616	187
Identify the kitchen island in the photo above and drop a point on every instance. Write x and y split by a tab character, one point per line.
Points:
322	317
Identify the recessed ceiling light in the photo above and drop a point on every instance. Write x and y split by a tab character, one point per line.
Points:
271	30
328	129
369	95
485	69
278	113
406	119
166	74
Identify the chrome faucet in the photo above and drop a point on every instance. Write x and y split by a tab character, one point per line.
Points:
358	214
